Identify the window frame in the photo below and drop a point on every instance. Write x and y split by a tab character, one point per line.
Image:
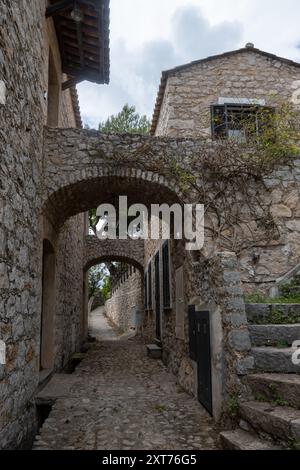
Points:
223	112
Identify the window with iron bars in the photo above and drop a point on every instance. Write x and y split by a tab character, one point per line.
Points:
239	121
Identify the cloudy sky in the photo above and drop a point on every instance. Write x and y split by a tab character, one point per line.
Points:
148	36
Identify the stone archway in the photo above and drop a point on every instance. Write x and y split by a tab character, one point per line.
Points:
128	251
84	168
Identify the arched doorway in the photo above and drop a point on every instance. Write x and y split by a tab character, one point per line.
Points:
124	261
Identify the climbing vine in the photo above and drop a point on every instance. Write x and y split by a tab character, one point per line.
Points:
228	176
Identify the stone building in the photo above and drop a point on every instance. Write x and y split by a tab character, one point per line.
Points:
190	93
198	100
189	99
42	57
53	172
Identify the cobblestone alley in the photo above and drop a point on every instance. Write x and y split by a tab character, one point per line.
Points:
118	398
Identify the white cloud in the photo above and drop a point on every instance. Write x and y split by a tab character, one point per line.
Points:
148	37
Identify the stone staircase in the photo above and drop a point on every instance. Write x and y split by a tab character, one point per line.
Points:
271	420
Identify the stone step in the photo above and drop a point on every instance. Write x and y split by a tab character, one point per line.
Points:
273	335
268	359
158	342
280	422
273	313
279	388
243	440
154	351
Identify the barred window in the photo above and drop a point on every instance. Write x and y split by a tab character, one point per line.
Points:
239	121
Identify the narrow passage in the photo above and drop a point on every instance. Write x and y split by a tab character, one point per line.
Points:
118	398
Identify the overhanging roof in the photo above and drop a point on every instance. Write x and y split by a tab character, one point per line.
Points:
165	74
76	107
84	44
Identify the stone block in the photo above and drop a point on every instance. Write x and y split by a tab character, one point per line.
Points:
240	340
274	420
245	365
154	351
271	335
242	440
280	210
268	359
274	386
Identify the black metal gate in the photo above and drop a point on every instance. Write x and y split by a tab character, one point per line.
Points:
200	352
157	297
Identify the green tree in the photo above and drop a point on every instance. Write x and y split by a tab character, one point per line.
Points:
105	290
96	277
127	121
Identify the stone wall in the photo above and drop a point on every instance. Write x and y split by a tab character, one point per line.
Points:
127	294
126	251
190	91
69	299
219	282
212	285
21	118
24	45
69	171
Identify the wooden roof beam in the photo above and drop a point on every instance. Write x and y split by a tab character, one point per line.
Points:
59	7
80	43
71	82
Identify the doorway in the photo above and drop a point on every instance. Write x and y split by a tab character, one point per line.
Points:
200	352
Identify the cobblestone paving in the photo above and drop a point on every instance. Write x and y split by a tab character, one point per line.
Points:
124	400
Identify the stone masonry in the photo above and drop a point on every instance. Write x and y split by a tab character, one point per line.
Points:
26	38
188	91
125	299
80	160
127	251
118	398
49	177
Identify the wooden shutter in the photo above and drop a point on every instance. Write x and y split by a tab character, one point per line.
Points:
179	303
157	295
166	275
145	291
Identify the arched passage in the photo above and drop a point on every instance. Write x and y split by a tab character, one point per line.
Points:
71	199
115	290
84	169
126	251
